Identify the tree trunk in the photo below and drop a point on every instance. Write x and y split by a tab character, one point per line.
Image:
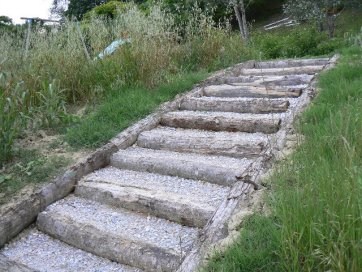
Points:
330	25
240	16
243	17
240	22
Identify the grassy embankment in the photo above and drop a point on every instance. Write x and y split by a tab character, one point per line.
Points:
315	196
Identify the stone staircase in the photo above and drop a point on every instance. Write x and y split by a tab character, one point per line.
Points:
157	201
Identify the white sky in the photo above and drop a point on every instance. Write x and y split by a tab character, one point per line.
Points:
25	8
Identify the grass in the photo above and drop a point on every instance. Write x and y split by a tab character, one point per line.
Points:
254	251
316	195
125	106
30	168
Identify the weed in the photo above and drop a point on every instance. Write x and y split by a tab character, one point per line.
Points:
29	168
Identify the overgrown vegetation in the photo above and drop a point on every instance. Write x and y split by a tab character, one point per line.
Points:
315	197
39	86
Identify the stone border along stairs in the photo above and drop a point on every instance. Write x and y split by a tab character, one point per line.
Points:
160	194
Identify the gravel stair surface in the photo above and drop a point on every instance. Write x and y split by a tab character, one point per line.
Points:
132	238
185	201
230	144
215	169
40	252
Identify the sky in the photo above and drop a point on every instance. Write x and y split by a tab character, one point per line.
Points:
25	8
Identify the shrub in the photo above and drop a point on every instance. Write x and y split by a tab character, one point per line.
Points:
301	41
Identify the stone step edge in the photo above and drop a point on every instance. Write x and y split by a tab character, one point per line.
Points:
93	240
170	207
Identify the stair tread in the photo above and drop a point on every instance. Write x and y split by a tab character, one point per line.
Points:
293	62
125	225
231	115
281	80
214	169
236	104
40	252
224	121
288	70
220	161
234	144
191	190
252	90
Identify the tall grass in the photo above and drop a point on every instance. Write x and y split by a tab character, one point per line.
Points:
318	194
56	72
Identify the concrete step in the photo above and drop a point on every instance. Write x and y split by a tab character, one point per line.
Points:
36	251
228	90
214	169
310	70
231	144
185	201
223	121
239	105
288	63
148	243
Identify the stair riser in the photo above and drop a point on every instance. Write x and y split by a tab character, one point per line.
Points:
250	92
208	146
90	239
291	63
310	70
189	170
288	80
167	207
254	106
266	126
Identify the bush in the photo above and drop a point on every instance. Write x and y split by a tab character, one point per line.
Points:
301	41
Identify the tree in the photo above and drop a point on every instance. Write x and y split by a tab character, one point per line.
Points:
109	9
6	24
78	8
324	12
240	13
5	21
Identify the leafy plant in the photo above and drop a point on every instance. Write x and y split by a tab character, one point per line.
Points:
12	101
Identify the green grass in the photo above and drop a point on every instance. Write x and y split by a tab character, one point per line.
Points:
124	107
316	195
254	251
29	167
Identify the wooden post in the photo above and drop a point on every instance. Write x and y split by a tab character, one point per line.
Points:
27	43
83	43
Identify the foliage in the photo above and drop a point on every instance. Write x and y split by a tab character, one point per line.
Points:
77	8
109	9
12	102
301	41
323	12
5	21
311	10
